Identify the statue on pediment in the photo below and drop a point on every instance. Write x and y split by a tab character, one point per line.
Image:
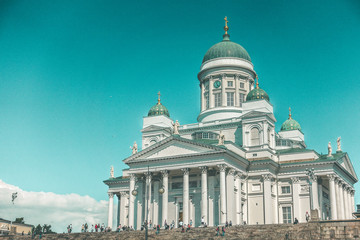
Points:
221	138
329	149
176	126
338	144
134	148
112	172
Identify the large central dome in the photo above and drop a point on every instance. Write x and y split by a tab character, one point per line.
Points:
226	49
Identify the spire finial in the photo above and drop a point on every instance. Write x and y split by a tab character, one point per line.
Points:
226	28
289	113
257	82
158	97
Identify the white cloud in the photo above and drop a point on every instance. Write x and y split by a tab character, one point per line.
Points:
50	208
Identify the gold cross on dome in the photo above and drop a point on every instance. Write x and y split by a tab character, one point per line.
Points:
226	28
289	113
159	97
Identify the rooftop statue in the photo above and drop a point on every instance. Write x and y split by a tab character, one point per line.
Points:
176	126
134	148
338	144
329	149
112	172
221	139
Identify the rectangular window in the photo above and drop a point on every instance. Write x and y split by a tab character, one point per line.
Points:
177	185
242	85
206	135
230	99
230	83
286	214
217	99
285	189
193	184
241	98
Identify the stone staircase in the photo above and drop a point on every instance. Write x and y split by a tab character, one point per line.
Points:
305	231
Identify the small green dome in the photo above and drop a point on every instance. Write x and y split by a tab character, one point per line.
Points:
290	124
158	109
226	48
257	94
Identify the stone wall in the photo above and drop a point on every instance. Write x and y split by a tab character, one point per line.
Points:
348	229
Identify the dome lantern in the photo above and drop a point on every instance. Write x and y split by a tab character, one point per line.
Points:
257	93
158	109
290	124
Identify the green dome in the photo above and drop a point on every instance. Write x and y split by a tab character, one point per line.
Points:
226	48
290	124
256	94
158	109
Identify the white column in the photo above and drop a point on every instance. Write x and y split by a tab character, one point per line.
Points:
176	213
230	197
268	199
345	200
111	209
349	204
202	98
223	86
332	196
165	177
118	209
238	198
123	208
296	197
139	206
211	200
131	200
155	220
341	199
222	194
276	206
314	192
148	210
338	201
352	201
237	93
211	94
186	196
204	195
321	199
245	207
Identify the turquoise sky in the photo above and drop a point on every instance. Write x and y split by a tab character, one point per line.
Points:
76	77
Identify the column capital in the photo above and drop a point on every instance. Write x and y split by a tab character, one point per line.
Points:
123	194
132	177
340	182
223	75
295	179
185	171
313	178
238	175
267	177
222	167
352	192
231	172
110	194
337	180
331	177
164	173
203	169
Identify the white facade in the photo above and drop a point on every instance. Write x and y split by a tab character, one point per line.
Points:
256	176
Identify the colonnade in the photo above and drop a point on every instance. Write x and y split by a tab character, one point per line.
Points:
341	196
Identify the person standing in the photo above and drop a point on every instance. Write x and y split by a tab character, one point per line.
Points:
307	216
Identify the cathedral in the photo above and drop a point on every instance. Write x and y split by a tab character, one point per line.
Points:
231	165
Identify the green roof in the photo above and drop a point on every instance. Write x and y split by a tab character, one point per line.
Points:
289	125
226	48
293	150
257	94
158	109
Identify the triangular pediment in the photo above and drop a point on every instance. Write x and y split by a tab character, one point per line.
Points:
253	114
173	147
347	165
153	128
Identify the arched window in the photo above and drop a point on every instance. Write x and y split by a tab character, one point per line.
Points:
255	137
